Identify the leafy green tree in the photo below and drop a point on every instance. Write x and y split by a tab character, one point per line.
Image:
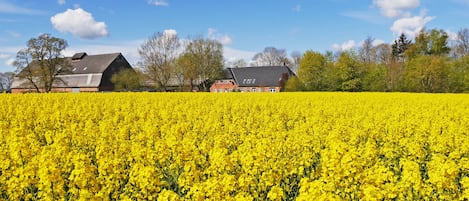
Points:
312	71
434	42
186	71
294	84
206	55
41	63
427	73
459	75
347	71
127	80
375	78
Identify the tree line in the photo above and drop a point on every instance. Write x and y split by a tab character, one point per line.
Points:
428	63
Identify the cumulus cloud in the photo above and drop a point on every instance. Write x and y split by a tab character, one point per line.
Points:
348	45
61	2
79	23
158	2
224	39
396	8
411	25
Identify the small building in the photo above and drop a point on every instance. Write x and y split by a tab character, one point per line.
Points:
89	73
253	79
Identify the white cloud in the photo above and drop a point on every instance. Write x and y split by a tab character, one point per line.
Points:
453	36
158	2
232	54
61	2
396	8
170	32
79	23
411	25
224	39
297	8
4	56
10	62
348	45
377	42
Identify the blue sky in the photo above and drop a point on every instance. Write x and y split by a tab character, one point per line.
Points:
244	27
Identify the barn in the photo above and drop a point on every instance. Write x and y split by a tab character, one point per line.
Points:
88	73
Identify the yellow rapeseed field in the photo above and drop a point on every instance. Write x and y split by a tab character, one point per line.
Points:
236	146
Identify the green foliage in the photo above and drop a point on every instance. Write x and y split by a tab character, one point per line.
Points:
127	80
427	73
294	84
312	70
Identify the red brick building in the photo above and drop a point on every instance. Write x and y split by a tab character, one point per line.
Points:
253	79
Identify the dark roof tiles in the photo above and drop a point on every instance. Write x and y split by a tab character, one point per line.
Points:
92	63
260	76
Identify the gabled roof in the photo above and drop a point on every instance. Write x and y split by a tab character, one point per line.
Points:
84	64
86	71
260	76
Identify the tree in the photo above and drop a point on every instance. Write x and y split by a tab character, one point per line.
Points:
347	72
400	46
186	71
127	80
206	56
459	75
311	71
434	42
271	56
159	54
296	60
42	61
366	50
461	47
6	79
293	84
427	73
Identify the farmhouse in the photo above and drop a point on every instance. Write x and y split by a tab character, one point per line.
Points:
89	73
253	79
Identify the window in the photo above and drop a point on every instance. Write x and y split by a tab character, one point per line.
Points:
272	90
85	68
75	90
253	89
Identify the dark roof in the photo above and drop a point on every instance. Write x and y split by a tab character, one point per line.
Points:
91	63
260	76
78	56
